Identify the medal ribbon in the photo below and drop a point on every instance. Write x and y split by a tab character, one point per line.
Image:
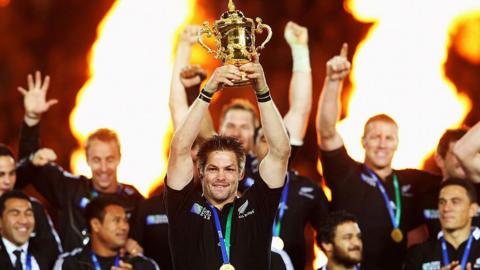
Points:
277	223
96	263
394	217
224	242
466	252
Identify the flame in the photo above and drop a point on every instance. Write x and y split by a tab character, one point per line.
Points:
4	3
398	70
467	33
130	67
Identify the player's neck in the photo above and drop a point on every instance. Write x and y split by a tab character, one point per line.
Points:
383	173
102	250
457	237
113	188
220	205
332	265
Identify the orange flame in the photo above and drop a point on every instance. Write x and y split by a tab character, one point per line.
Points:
398	70
4	3
467	36
130	67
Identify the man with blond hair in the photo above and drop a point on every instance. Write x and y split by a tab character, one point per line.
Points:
69	194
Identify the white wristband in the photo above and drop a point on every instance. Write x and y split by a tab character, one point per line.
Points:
301	58
296	142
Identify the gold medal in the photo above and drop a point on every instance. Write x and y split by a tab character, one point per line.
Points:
277	243
227	267
397	235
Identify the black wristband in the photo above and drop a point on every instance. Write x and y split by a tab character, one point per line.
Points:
205	96
264	97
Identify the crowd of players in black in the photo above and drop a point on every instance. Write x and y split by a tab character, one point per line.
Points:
231	200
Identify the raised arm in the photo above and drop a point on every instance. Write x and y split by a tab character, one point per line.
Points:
191	78
177	101
180	164
273	167
186	79
467	150
300	93
329	103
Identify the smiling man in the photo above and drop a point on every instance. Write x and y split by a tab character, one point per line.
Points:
383	199
17	222
108	226
450	167
341	241
69	194
44	233
216	229
457	245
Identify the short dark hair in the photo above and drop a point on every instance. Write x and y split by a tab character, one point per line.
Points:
378	118
242	105
12	194
96	208
104	135
221	143
449	136
6	151
329	226
465	183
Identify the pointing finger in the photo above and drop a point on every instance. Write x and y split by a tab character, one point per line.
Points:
344	51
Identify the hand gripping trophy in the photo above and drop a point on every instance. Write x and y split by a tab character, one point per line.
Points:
235	39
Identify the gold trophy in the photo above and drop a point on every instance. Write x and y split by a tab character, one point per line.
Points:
235	39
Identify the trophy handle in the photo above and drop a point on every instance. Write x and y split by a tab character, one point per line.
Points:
208	31
259	30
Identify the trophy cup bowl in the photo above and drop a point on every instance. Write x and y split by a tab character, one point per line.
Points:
234	36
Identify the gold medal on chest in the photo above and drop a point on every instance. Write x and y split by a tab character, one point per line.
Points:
397	235
227	267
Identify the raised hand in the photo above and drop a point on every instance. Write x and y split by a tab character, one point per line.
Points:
295	34
192	75
34	99
222	75
338	67
190	34
133	248
43	156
